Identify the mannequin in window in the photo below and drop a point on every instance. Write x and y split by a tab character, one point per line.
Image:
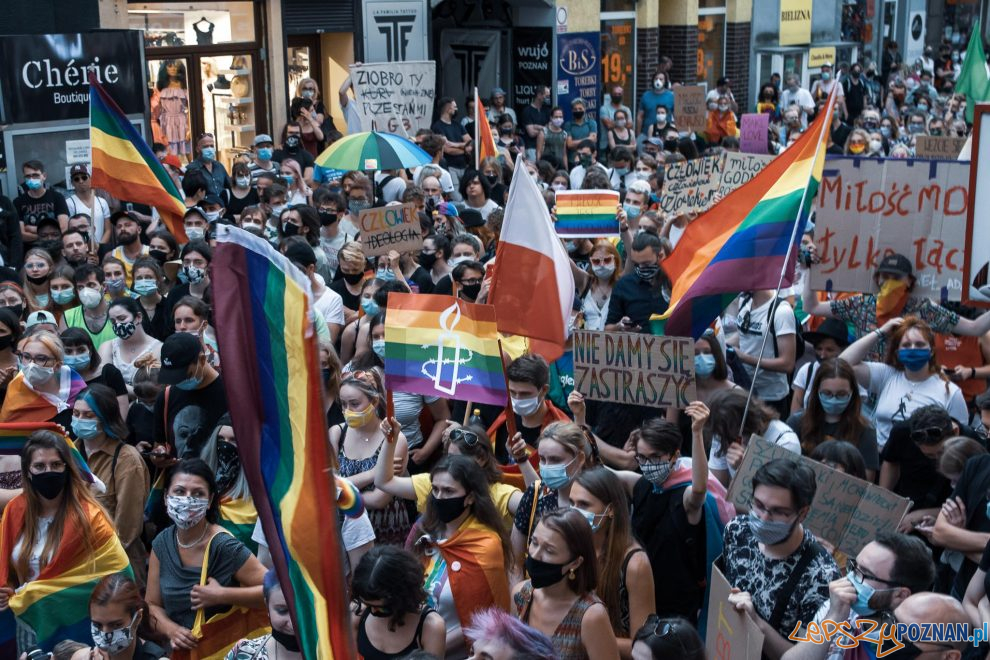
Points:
173	100
203	36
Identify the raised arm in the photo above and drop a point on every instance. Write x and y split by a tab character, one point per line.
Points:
694	497
385	478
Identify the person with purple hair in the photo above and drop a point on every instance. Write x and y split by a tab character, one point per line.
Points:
500	636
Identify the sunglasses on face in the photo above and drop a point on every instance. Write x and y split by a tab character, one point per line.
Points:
928	436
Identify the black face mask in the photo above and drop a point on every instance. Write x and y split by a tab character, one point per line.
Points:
492	179
327	218
352	278
448	509
18	309
471	290
37	279
670	145
161	256
289	229
578	114
6	342
285	639
52	246
542	573
427	260
49	484
292	143
228	465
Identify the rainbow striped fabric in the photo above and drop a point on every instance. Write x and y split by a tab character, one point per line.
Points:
14	435
56	604
483	133
587	213
273	383
238	517
125	166
443	346
741	244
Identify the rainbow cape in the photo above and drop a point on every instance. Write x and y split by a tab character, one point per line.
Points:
238	517
56	604
125	166
475	569
743	242
273	384
23	404
443	346
587	213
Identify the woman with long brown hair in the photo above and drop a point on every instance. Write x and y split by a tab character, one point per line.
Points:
121	622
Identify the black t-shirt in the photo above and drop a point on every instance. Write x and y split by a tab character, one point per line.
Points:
192	416
529	434
444	286
636	299
299	154
32	211
161	326
531	115
919	480
351	301
454	133
972	487
112	378
234	206
985	567
140	423
422	280
676	549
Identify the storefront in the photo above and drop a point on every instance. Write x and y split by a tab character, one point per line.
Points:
204	73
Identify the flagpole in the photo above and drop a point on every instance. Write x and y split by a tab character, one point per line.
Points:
826	125
477	129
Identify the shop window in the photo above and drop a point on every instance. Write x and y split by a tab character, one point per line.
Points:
618	56
711	47
175	24
171	123
299	59
855	25
228	104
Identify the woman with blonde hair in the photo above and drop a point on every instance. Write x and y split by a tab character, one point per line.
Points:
37	274
45	389
606	268
312	120
298	191
857	142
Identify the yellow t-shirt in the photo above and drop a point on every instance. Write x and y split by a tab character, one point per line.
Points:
501	494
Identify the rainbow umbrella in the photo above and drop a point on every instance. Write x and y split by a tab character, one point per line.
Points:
372	151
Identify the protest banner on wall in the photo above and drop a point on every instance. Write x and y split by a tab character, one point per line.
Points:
847	512
389	228
395	97
739	169
976	271
587	213
938	147
690	109
754	133
730	634
868	208
636	369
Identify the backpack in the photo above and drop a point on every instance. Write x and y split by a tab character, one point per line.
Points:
380	187
798	337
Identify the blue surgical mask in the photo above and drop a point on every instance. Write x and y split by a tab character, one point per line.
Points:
555	476
914	359
704	364
195	233
189	383
622	171
209	153
77	362
385	274
590	517
864	592
770	532
43	299
885	131
265	153
378	346
369	306
145	287
85	428
33	184
63	296
834	405
632	212
288	179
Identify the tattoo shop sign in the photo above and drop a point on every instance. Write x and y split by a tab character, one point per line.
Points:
847	512
635	369
692	186
390	228
397	97
868	208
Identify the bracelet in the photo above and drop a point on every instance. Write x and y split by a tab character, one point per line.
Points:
879	333
972	372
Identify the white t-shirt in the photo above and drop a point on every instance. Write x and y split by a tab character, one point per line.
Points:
804	381
801	97
34	560
898	397
330	306
392	192
778	433
770	385
99	212
331	247
485	210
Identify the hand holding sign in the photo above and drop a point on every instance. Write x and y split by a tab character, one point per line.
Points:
390	229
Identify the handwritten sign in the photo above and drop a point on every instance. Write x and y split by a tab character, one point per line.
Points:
730	634
847	512
690	109
754	133
689	186
587	213
941	147
390	228
739	169
870	208
395	97
976	279
641	370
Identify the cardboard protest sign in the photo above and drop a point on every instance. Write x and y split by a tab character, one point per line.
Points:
390	228
395	97
690	109
637	369
587	213
690	185
868	208
847	512
739	169
976	271
730	634
754	133
938	147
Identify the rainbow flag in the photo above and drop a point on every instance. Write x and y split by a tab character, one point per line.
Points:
483	138
443	346
273	383
238	517
14	435
587	213
125	166
56	604
744	242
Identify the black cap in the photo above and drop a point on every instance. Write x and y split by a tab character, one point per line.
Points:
833	328
211	199
123	214
896	264
300	253
178	352
46	221
472	218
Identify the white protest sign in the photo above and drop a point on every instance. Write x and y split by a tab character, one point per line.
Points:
395	97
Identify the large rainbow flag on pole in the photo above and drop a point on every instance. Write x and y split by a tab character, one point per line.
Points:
272	377
484	141
125	166
745	242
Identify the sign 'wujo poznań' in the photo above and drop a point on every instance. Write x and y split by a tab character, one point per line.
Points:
46	77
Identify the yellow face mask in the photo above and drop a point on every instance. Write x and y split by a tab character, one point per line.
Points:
358	419
891	300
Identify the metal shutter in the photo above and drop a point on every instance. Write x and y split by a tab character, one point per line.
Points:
314	16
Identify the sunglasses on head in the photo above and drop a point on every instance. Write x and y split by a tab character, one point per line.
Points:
928	436
468	436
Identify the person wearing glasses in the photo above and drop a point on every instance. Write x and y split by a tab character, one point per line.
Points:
779	573
606	268
45	389
207	163
885	573
671	638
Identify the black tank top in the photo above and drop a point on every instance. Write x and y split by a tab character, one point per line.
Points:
368	651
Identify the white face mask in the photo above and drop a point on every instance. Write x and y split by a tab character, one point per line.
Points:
195	233
186	512
525	407
90	298
243	181
115	641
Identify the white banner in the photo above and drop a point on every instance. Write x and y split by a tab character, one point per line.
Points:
395	30
470	58
395	97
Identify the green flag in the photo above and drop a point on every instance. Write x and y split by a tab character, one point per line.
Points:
973	80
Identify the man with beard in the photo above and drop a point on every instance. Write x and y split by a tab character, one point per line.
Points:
127	231
75	249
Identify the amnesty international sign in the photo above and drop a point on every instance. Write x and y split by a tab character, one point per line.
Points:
795	22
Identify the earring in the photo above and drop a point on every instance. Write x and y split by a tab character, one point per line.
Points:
570	574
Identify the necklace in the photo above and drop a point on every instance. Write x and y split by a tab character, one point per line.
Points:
194	543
